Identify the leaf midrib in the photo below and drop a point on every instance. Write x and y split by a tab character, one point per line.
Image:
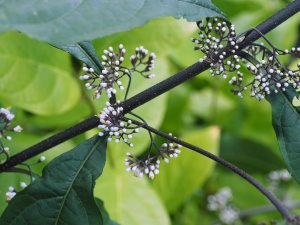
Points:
73	180
91	59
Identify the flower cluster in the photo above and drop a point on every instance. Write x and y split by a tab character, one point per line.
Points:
220	202
140	167
12	191
141	63
220	199
10	194
270	76
279	175
219	42
113	70
5	118
228	215
214	36
113	122
150	165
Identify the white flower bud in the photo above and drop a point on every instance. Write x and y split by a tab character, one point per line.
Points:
18	129
23	185
11	188
42	158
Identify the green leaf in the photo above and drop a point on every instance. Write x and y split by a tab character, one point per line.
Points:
35	76
64	194
128	199
235	7
59	121
105	216
193	211
72	21
85	52
184	175
286	123
249	155
210	104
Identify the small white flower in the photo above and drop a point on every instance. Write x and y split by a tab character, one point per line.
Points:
18	129
23	185
11	189
42	158
10	195
9	138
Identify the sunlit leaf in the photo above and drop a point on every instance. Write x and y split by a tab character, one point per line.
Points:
35	76
185	174
128	199
105	216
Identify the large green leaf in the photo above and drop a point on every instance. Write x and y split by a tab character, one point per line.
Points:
128	199
286	123
70	21
35	76
19	143
64	194
185	174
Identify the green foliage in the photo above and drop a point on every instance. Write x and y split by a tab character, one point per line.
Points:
184	176
65	191
36	80
129	200
72	21
251	157
286	122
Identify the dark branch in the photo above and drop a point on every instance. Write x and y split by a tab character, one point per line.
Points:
150	93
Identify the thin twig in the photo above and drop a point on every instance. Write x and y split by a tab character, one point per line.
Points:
276	202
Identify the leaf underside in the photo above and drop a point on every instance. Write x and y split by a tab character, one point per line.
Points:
73	21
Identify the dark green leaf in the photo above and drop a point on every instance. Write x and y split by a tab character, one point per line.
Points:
72	21
286	122
64	194
104	213
249	155
85	52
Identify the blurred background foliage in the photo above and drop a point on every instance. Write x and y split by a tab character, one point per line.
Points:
41	83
